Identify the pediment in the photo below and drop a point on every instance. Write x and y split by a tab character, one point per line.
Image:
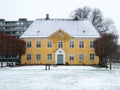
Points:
60	51
60	35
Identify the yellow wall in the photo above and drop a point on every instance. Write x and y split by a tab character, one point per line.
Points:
65	38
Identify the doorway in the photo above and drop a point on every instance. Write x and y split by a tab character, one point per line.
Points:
60	56
60	59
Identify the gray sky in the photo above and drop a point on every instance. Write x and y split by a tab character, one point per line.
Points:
33	9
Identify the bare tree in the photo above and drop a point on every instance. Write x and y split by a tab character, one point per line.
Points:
94	16
81	13
96	19
108	26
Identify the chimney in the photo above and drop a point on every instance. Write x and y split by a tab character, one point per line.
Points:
76	18
47	16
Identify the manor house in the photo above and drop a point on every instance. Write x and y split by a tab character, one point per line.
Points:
60	41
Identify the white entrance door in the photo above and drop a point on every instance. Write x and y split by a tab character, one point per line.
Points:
60	56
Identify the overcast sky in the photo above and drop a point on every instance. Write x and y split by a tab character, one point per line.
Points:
33	9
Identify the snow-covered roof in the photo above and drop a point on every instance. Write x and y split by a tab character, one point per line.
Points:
75	28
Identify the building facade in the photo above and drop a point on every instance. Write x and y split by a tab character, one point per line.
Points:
60	41
14	28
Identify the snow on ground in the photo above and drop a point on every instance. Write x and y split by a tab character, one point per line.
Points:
60	78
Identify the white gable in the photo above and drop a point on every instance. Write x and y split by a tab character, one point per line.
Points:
75	28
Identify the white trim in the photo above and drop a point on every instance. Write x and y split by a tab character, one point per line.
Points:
61	52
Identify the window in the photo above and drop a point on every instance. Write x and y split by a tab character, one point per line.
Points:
38	56
91	44
49	44
91	56
60	44
71	44
38	44
28	56
71	57
49	56
81	57
81	44
29	44
60	33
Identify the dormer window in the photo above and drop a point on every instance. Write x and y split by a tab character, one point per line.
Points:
38	31
83	31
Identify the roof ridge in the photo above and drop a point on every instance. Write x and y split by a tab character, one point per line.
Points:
60	19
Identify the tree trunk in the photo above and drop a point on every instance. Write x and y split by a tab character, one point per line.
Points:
7	62
1	62
19	59
110	64
106	60
101	59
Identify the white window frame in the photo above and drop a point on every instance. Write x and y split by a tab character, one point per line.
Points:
81	44
91	44
92	57
71	44
81	57
38	44
49	56
38	56
28	57
29	44
49	44
71	57
60	44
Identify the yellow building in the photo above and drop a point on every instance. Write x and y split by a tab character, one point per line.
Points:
60	41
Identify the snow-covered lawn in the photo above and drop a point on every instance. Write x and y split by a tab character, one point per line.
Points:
60	78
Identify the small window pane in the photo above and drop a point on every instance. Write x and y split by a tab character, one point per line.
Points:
91	56
60	44
81	44
38	57
71	57
38	44
71	44
28	56
29	44
81	57
91	44
49	56
49	44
